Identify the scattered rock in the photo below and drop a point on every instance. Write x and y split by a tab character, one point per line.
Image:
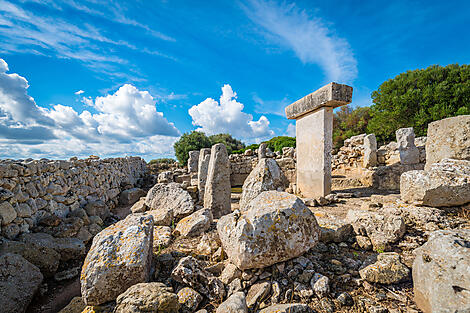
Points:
147	297
7	213
75	306
139	206
236	303
189	299
68	248
194	224
387	270
131	196
345	299
276	226
170	198
120	256
229	273
321	286
287	308
161	237
257	293
67	274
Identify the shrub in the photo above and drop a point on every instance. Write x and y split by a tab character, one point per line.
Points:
279	142
230	143
188	142
348	122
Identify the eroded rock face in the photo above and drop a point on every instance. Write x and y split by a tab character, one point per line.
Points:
446	183
170	198
218	188
441	276
194	224
147	297
19	281
236	303
448	139
119	257
387	270
381	228
276	226
267	175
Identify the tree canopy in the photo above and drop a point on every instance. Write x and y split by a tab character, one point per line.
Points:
231	143
348	122
416	98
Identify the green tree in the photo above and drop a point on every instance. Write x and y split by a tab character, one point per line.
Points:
279	142
231	143
188	142
416	98
348	122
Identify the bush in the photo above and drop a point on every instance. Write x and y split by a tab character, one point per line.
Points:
188	142
162	161
231	143
348	122
279	142
416	98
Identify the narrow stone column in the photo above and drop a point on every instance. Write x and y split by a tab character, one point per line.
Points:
262	151
193	161
314	131
218	188
370	151
409	153
203	166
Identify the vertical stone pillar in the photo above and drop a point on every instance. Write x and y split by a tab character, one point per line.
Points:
193	161
370	151
203	166
314	131
409	153
218	189
262	151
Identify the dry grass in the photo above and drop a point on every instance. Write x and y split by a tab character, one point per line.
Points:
464	212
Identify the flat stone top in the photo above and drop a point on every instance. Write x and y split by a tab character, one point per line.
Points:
331	95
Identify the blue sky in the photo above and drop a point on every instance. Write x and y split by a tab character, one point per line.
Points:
129	77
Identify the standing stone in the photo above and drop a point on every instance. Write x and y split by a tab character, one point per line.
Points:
203	167
370	151
120	256
409	153
448	138
193	161
314	133
218	188
262	151
441	276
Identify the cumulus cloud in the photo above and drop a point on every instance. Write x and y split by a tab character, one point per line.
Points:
126	121
227	116
79	92
290	131
308	36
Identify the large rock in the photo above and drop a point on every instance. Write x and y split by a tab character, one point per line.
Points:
267	175
170	197
193	161
446	183
287	308
7	213
218	188
381	228
441	275
131	196
409	153
448	139
203	167
147	297
370	151
68	248
387	270
236	303
276	226
120	256
19	281
194	224
190	272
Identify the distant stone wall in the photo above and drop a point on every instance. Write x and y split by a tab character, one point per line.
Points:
42	195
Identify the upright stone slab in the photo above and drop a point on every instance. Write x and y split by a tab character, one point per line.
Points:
218	188
193	161
203	166
409	153
314	131
262	151
370	151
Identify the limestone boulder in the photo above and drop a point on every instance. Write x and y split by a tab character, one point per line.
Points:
370	151
236	303
276	226
190	272
161	237
19	281
131	196
170	198
267	175
68	248
448	139
218	188
120	256
165	177
147	297
409	153
387	270
7	213
139	206
382	228
194	224
189	299
441	276
446	183
287	308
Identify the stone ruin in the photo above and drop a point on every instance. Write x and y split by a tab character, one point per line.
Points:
392	234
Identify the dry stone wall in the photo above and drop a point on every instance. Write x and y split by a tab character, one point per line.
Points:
39	195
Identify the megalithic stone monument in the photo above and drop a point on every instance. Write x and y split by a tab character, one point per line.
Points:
314	131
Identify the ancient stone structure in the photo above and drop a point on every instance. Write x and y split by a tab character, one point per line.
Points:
203	167
218	188
409	153
314	133
193	161
448	138
262	151
370	151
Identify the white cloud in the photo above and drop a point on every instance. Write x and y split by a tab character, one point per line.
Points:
228	117
125	122
308	36
290	130
79	92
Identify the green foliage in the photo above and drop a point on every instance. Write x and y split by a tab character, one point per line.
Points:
348	122
253	147
230	143
416	98
189	142
279	142
162	161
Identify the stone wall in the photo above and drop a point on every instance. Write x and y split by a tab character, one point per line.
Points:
45	195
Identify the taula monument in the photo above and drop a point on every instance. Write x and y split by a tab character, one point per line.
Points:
314	131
